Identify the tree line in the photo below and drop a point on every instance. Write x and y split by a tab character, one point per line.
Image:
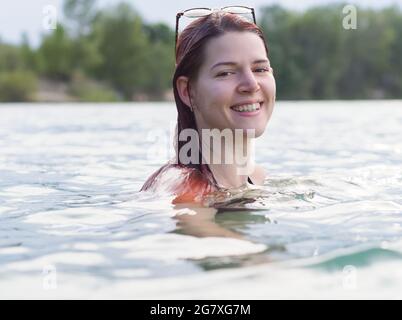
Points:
113	55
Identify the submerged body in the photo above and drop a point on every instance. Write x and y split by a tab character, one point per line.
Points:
190	185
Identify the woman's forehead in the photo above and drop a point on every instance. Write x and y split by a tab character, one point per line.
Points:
233	46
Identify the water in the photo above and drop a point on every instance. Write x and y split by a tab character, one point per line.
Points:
72	224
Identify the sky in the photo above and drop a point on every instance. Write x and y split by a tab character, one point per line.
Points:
18	16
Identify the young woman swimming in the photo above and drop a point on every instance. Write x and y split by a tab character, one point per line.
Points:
223	82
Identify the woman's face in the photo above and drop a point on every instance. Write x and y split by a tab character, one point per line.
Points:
235	87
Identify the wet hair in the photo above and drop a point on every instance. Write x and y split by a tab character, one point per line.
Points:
190	55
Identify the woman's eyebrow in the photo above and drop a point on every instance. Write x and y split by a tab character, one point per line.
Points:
261	61
231	63
226	63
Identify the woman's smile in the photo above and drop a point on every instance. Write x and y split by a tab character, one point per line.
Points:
247	109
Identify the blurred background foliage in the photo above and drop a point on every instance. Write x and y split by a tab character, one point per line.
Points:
113	55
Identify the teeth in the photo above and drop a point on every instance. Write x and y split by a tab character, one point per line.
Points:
247	107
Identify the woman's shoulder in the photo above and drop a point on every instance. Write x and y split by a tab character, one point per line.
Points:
186	183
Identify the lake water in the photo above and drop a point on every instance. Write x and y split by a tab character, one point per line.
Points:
73	224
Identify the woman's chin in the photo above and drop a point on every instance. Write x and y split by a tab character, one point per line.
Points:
250	131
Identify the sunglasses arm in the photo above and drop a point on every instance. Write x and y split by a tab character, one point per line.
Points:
178	16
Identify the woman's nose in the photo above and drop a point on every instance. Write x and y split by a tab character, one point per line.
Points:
248	83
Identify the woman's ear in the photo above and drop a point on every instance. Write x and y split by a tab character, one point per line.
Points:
182	85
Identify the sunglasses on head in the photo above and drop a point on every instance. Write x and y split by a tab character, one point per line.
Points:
202	12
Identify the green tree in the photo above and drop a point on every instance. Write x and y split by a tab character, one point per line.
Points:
366	56
28	55
55	55
124	47
277	24
17	85
315	58
159	60
80	15
10	58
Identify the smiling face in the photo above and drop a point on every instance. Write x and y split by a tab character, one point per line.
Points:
235	87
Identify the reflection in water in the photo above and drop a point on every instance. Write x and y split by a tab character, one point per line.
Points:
230	212
200	222
229	223
225	212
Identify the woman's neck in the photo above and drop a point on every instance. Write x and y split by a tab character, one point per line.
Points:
231	162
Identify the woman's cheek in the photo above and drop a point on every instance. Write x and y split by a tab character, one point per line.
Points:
218	97
270	89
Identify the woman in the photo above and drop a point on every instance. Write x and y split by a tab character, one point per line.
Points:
223	81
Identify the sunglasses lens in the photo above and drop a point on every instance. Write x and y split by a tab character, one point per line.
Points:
242	11
195	13
237	10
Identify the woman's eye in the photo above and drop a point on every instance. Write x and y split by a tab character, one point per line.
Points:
224	74
265	69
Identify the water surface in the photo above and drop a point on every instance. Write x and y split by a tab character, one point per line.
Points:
73	225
